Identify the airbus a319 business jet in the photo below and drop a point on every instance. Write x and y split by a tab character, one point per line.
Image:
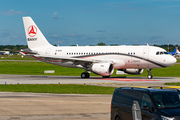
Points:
101	60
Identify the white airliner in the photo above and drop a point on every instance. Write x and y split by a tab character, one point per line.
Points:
101	60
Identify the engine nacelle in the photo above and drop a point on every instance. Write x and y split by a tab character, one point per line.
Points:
104	69
133	71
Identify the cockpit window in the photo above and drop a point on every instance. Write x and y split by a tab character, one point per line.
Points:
161	53
166	53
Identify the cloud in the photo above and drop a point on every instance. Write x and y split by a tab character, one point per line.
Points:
116	37
16	37
127	6
4	34
101	30
55	16
12	12
73	35
156	38
70	35
91	38
102	38
4	30
55	37
125	38
55	13
59	42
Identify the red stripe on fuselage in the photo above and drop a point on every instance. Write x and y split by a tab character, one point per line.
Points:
38	58
55	60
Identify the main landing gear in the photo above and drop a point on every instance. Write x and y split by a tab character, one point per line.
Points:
85	75
106	76
149	74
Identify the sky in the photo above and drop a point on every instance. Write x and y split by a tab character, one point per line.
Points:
89	22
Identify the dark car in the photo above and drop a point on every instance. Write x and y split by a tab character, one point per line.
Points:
130	103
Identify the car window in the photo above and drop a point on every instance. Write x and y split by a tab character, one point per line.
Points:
127	97
146	101
167	100
120	97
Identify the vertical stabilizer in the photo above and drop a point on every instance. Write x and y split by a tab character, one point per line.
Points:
34	36
177	50
174	51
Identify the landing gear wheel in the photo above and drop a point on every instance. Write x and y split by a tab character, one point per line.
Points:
85	75
106	76
149	76
117	118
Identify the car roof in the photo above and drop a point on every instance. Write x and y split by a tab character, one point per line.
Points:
151	90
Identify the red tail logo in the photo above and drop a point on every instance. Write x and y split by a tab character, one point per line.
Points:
32	30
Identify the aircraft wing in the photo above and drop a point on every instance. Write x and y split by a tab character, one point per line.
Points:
76	61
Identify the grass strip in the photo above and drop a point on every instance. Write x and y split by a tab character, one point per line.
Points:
58	88
14	57
178	60
175	84
38	68
172	71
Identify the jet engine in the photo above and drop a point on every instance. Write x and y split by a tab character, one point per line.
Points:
133	71
104	69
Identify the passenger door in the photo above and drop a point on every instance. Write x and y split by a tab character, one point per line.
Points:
146	57
146	53
48	51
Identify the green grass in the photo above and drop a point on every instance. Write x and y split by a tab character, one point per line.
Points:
38	68
173	71
14	57
178	60
176	84
35	68
58	88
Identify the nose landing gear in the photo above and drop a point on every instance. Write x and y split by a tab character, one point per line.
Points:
149	74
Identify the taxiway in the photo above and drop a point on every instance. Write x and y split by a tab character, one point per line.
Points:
113	81
46	106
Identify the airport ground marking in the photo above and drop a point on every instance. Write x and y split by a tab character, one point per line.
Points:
124	79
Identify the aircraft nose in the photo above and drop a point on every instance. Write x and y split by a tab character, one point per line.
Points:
171	61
